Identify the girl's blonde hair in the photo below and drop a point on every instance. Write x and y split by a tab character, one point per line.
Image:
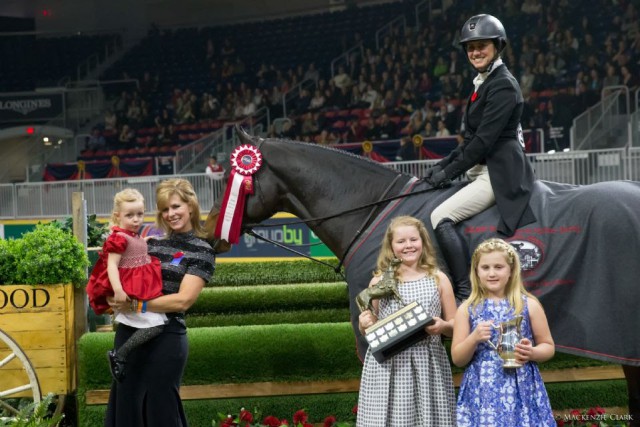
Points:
514	288
183	189
127	195
427	260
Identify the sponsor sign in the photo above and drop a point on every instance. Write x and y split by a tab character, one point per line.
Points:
30	107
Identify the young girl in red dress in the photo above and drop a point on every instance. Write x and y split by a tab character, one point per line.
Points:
126	271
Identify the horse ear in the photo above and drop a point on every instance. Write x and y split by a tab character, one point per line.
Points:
243	135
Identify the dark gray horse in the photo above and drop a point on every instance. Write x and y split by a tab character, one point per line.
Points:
580	258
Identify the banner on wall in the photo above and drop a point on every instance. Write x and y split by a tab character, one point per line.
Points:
30	107
295	236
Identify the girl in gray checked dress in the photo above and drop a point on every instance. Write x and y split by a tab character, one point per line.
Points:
414	387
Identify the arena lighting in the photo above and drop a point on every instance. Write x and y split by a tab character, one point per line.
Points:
566	150
551	152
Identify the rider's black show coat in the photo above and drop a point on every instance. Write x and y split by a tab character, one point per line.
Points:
493	136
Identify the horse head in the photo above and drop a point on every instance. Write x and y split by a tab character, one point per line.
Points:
308	180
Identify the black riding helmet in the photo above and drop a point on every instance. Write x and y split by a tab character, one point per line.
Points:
484	27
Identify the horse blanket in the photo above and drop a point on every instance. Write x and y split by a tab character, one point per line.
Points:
580	258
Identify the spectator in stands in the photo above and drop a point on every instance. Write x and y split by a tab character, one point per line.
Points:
407	103
427	130
441	68
96	140
311	73
227	49
354	131
629	79
594	82
214	170
371	97
134	114
442	130
110	121
611	78
407	150
388	128
309	125
126	137
327	138
372	130
342	79
500	173
527	79
317	102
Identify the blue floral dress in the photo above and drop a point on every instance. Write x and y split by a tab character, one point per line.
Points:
493	396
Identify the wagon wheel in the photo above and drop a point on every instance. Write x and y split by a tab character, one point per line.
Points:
11	355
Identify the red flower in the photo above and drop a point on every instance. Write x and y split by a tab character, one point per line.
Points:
244	414
355	409
329	421
592	412
284	423
178	254
271	421
600	410
474	96
575	413
560	423
300	417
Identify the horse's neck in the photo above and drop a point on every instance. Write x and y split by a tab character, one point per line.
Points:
320	182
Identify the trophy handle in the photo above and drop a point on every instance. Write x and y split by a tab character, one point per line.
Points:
494	346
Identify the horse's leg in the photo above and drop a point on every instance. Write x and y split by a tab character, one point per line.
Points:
632	374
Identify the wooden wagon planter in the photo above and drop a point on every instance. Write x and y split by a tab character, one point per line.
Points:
37	341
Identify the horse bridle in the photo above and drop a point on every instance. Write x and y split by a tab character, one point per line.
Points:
248	228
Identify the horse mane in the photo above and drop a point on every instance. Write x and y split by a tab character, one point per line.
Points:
337	150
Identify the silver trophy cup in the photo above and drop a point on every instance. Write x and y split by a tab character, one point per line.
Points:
508	336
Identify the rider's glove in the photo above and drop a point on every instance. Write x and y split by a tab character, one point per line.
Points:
429	172
438	179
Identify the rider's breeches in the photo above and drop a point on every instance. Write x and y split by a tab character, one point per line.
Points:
469	201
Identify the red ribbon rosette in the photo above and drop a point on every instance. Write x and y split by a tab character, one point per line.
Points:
245	161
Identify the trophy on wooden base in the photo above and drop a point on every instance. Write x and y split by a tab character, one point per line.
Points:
399	330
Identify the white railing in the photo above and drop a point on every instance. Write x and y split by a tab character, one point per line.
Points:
53	199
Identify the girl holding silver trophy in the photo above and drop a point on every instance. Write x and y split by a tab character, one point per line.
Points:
501	333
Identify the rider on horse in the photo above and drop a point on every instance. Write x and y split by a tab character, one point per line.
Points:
492	153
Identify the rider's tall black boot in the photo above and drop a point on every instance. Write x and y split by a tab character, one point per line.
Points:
456	254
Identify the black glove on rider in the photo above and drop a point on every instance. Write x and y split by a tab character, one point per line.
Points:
438	179
429	172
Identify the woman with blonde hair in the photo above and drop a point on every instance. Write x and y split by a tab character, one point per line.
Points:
149	395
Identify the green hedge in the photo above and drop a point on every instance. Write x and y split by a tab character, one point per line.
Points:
240	354
329	315
264	298
273	273
294	353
